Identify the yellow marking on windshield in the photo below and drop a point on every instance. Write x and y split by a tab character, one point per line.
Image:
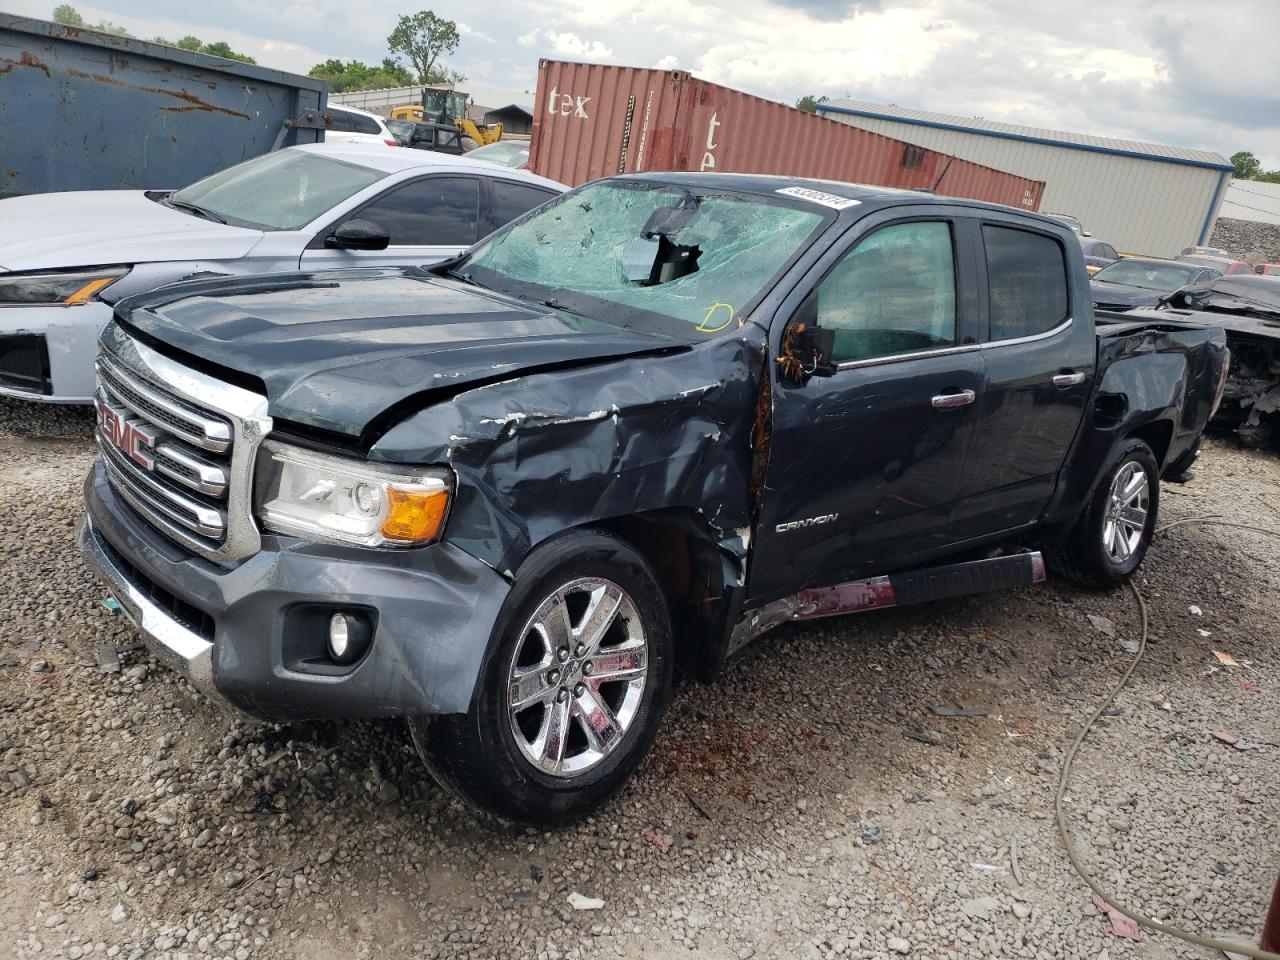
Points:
706	327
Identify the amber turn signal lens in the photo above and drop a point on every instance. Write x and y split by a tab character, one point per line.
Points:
414	516
85	293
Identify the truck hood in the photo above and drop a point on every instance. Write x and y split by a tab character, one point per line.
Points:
1122	296
46	231
337	349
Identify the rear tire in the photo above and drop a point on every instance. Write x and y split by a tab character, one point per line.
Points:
573	687
1110	539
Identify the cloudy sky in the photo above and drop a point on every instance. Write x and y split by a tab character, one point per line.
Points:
1182	72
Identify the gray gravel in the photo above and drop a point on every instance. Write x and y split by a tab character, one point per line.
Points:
810	804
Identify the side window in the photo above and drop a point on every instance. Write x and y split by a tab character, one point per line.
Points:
436	211
512	199
1109	252
1027	276
894	292
362	124
340	121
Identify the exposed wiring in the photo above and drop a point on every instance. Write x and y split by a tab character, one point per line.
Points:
1064	775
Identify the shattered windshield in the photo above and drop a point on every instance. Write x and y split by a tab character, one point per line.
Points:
644	255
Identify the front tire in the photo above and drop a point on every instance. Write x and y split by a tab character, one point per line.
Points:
573	687
1110	539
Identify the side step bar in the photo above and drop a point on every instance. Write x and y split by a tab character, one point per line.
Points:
895	590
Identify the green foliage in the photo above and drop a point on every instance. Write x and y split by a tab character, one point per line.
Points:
354	75
1246	164
70	16
423	39
1248	167
809	103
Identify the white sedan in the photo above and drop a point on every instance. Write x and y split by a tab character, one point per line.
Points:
66	258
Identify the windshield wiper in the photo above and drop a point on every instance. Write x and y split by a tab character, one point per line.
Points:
464	277
192	208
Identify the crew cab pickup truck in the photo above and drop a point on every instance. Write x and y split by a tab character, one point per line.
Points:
504	497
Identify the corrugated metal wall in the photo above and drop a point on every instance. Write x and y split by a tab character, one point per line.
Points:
1252	200
1138	206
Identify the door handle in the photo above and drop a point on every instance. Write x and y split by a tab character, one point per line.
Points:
1072	379
961	398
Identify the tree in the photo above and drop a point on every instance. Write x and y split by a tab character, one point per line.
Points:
423	39
1247	165
809	104
354	75
68	15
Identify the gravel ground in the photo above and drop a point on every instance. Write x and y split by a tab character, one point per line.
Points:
809	804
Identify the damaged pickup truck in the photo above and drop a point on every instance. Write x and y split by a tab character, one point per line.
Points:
505	497
1248	309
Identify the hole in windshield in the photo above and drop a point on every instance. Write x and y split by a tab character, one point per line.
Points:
650	256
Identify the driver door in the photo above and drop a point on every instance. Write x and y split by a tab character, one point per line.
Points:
866	463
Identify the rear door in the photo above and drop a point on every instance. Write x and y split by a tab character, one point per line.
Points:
863	464
428	219
502	201
1039	350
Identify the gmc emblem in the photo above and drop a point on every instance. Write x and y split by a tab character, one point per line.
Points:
135	438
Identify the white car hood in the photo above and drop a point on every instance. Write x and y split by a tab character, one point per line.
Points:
96	227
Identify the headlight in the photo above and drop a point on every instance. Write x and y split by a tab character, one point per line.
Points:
332	498
58	286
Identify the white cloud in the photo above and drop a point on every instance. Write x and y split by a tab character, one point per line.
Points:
572	45
669	62
1166	72
472	34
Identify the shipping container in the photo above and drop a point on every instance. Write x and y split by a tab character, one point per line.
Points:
592	120
82	110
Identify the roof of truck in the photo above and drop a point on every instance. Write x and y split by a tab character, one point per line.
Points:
865	195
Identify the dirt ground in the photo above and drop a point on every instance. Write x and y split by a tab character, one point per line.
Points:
811	803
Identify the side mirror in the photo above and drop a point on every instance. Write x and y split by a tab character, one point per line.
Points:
806	347
358	235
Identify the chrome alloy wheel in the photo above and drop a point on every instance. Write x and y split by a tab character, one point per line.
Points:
1126	517
577	676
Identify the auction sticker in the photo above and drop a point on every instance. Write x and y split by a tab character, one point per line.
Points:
817	196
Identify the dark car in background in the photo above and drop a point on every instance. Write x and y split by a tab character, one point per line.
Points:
1097	254
426	136
1225	266
1143	282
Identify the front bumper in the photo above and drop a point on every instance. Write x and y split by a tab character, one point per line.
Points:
68	336
231	631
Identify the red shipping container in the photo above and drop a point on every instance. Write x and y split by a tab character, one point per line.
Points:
592	120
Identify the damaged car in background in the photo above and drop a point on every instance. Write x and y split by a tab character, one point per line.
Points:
1248	308
66	258
505	497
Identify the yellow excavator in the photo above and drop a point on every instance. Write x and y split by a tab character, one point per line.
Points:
449	108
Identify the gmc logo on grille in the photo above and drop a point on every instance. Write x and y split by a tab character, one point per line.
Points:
135	438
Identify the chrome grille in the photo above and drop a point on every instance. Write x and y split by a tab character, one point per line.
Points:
178	446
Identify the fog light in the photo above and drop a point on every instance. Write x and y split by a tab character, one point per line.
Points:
348	637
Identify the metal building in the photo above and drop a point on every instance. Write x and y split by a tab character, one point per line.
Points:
1253	200
1142	198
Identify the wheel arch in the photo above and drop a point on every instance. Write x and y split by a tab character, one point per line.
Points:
685	556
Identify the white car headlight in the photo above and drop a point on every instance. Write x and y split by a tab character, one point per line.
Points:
311	494
58	286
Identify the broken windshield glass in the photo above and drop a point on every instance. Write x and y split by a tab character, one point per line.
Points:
652	250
